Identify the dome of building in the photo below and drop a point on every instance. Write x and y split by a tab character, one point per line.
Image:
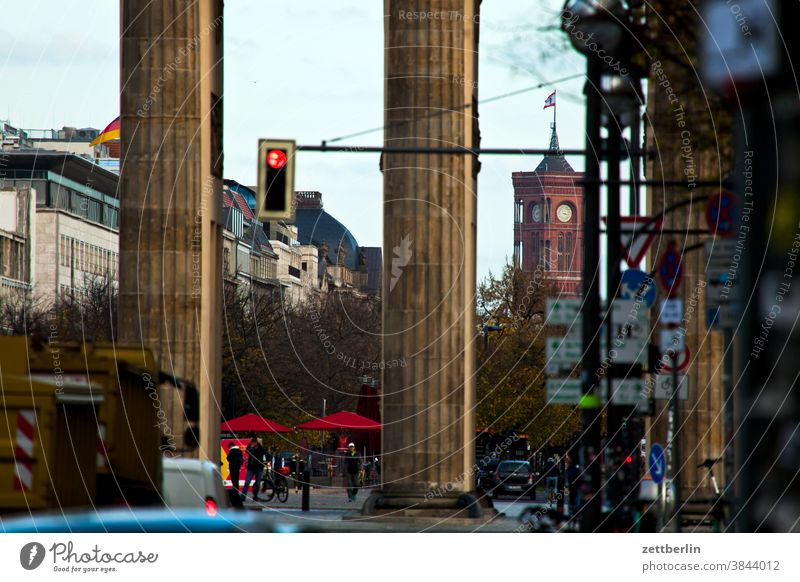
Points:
316	227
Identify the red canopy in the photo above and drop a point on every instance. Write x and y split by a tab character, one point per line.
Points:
341	421
252	423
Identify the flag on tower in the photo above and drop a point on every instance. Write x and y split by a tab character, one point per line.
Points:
550	101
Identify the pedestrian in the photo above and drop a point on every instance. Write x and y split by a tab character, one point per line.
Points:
235	460
255	466
352	468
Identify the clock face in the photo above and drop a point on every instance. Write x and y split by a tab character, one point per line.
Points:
564	213
536	214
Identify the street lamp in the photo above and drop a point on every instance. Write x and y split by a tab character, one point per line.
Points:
600	30
594	26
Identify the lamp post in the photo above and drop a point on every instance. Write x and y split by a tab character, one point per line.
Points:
598	29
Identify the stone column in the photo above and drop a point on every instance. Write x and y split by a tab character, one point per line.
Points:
429	269
171	191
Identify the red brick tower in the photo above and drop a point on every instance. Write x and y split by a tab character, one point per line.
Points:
548	221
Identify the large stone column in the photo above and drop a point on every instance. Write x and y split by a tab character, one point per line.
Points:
171	190
429	274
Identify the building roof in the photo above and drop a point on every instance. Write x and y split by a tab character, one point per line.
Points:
317	227
65	164
233	199
554	160
247	193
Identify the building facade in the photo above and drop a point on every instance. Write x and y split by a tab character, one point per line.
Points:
68	238
548	222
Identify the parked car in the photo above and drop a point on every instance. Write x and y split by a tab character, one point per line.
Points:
514	478
193	483
485	476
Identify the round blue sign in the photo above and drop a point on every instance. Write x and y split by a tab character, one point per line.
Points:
657	463
636	282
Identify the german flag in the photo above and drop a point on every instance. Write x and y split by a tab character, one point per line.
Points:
111	132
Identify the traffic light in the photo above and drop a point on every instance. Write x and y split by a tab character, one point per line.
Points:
275	193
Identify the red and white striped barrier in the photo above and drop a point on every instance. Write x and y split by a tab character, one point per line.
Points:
23	450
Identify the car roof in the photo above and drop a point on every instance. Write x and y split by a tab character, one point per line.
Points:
144	520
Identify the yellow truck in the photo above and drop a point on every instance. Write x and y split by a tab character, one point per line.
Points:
110	400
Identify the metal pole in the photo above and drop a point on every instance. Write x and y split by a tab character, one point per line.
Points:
591	458
674	443
635	161
615	412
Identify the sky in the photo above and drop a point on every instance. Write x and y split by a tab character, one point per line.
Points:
309	70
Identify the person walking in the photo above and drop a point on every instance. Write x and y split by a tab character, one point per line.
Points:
255	466
235	459
352	468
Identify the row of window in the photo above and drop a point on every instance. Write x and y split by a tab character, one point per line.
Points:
76	203
260	266
542	250
79	255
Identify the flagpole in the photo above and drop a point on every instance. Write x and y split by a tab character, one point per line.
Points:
555	104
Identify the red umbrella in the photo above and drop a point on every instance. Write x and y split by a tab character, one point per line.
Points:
341	421
252	423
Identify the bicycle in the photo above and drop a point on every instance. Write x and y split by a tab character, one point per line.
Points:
718	505
278	486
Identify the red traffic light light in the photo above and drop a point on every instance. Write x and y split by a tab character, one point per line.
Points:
276	159
628	460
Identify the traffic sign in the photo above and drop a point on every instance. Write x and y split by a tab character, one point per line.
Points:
657	463
635	283
628	392
671	311
683	361
563	391
670	270
563	350
563	311
635	238
672	340
664	386
631	323
722	213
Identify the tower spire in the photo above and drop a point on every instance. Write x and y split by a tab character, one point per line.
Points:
554	148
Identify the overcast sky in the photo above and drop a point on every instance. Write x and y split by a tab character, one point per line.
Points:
311	70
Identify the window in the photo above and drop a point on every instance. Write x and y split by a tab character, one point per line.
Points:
560	251
547	212
547	255
305	266
93	210
540	262
518	212
568	253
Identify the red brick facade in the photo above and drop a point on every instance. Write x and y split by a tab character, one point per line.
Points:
548	223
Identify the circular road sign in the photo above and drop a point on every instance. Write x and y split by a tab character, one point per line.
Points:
681	364
634	282
670	270
722	213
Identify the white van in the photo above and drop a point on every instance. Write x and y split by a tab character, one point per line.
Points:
193	483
